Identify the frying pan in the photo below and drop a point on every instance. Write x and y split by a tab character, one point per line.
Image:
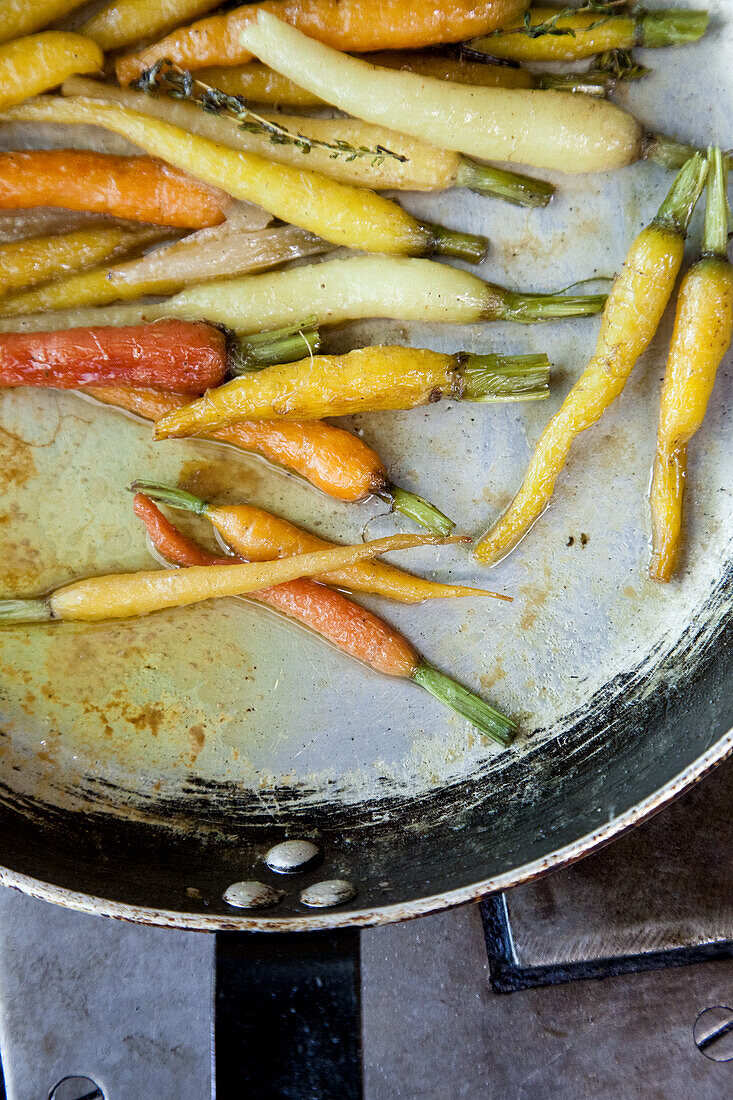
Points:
146	766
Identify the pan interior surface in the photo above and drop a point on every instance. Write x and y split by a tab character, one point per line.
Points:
133	753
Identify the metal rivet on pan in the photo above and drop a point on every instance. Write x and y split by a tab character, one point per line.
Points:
322	895
291	856
713	1033
251	895
76	1088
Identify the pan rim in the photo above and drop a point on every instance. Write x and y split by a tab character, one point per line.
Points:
391	913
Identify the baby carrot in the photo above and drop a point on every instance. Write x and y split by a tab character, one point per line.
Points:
336	291
367	380
124	22
702	333
635	306
34	64
564	35
183	356
140	189
19	17
337	212
130	595
547	129
260	536
413	165
330	458
25	263
338	620
354	25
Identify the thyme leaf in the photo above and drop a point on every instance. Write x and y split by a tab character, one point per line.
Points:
620	64
166	77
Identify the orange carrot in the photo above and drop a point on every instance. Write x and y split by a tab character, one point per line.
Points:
339	620
330	458
138	188
357	26
184	356
335	617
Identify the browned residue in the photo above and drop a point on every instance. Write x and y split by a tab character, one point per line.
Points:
16	460
535	596
489	679
197	737
223	479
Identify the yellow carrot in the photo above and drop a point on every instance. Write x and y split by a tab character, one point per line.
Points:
123	22
21	17
41	61
634	309
130	595
344	215
25	263
702	334
366	380
257	535
585	33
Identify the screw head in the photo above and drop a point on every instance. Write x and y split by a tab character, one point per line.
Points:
713	1033
323	895
251	895
76	1088
291	856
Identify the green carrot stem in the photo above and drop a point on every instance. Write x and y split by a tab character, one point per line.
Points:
466	703
715	235
24	611
449	242
526	309
670	153
676	210
669	27
588	83
490	378
265	349
510	186
418	509
168	494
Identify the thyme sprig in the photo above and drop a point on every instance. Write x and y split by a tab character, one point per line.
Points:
605	8
178	83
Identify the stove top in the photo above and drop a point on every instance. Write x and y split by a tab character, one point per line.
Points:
130	1009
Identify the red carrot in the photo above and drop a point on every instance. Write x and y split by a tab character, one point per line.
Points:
340	621
140	188
179	356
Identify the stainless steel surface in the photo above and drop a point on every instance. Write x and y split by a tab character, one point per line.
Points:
196	726
324	895
713	1033
251	895
81	995
291	856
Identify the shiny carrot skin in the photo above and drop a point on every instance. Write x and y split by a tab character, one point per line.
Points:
140	189
328	457
335	617
339	620
257	535
638	299
183	356
703	327
357	26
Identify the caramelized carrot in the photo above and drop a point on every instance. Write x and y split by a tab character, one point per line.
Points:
338	620
354	25
140	188
261	536
335	617
330	458
184	356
